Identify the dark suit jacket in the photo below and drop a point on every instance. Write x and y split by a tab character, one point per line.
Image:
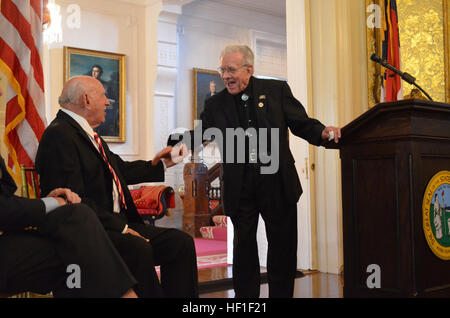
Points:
17	213
56	230
280	110
66	158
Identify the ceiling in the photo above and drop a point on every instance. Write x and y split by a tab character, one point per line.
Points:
150	2
270	7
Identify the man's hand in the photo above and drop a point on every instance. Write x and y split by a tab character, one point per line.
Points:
333	132
64	196
133	232
171	155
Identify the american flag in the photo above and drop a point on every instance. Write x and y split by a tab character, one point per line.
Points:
21	44
391	84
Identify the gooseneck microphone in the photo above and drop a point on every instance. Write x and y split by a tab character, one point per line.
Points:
405	76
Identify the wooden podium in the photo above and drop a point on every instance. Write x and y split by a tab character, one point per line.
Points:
388	156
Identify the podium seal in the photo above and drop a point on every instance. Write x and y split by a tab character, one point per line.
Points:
436	214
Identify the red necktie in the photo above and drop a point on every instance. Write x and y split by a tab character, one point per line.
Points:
116	179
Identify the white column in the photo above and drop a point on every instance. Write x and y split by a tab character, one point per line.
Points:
297	60
164	120
165	88
325	99
339	90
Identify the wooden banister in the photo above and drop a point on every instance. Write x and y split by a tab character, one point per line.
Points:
198	194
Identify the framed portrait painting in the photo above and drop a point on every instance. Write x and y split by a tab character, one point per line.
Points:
109	69
206	84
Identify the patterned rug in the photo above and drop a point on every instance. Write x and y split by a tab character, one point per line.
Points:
209	261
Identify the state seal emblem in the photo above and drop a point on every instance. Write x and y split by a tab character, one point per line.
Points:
436	214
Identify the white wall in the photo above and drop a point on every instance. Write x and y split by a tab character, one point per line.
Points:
114	27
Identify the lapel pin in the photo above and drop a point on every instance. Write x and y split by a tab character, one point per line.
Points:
244	97
262	97
261	105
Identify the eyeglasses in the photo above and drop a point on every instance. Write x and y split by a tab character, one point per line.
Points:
230	70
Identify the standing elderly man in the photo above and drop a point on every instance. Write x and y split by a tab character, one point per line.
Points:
72	155
265	110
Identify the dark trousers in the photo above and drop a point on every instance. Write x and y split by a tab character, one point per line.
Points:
38	261
171	249
262	194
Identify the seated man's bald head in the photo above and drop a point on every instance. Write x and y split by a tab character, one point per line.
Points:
74	89
85	96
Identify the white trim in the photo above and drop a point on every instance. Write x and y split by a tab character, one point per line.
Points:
297	58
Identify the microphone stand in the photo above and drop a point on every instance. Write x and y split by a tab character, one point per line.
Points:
405	76
420	88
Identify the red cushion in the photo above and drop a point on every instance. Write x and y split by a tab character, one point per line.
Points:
136	194
148	199
148	212
213	204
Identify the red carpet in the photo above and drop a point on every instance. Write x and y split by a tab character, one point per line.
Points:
210	253
209	247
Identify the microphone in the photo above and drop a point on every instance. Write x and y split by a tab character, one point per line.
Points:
405	76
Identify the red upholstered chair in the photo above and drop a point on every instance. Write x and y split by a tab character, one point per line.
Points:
153	202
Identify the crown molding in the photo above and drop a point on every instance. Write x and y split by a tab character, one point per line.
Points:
218	12
179	3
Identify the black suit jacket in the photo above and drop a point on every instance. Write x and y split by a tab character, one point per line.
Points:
17	213
280	109
66	158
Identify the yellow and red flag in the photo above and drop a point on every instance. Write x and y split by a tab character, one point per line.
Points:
391	84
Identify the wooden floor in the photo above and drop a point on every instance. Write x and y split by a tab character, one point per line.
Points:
313	285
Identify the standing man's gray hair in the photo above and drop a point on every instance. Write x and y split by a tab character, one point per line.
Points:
249	57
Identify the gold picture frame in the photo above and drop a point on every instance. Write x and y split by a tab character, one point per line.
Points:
202	88
373	45
110	70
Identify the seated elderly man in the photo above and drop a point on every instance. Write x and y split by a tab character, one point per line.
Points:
72	155
63	234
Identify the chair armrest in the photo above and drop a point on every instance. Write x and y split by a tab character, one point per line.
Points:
153	200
